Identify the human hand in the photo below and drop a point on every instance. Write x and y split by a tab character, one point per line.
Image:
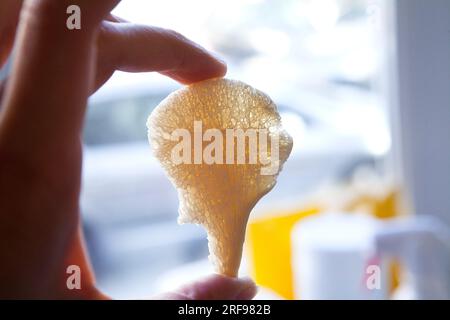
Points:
43	104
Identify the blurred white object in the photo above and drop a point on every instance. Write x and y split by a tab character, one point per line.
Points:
333	258
422	244
337	256
418	97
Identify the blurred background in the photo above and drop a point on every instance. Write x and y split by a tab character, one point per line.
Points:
343	74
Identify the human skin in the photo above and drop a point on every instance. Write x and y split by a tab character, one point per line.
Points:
43	104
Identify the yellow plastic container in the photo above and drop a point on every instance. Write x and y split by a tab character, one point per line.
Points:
269	246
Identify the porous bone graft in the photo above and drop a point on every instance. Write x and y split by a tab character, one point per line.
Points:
219	195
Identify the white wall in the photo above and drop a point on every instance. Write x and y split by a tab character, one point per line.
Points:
421	70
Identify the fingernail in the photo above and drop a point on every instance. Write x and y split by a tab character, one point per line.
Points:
218	58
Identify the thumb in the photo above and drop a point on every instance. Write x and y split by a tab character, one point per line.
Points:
214	287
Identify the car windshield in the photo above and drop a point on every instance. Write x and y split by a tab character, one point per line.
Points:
121	120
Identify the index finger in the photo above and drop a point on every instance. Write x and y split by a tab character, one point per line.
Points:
138	48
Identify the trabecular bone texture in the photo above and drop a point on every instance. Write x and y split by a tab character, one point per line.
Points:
214	170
